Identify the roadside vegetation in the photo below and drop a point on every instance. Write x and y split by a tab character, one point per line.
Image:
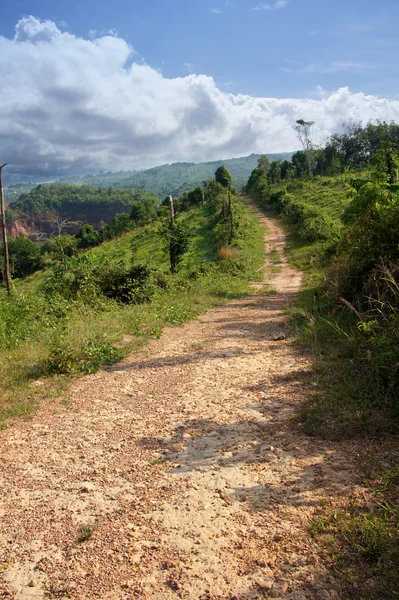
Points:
340	207
89	305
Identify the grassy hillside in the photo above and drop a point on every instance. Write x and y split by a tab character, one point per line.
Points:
329	196
46	337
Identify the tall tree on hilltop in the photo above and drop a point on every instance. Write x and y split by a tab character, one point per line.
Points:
264	164
303	131
223	176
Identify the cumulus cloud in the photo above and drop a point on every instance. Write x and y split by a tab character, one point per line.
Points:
76	105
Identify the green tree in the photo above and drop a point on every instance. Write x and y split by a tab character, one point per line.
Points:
223	176
121	223
176	235
87	236
386	162
264	164
60	246
275	172
299	163
24	256
303	131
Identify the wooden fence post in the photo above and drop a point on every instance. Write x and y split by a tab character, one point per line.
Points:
4	230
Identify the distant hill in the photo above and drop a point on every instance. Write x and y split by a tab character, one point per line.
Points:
172	179
180	177
108	179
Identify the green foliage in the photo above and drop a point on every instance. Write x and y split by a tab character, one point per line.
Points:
66	359
51	202
70	200
274	174
350	314
132	285
24	255
24	316
223	176
87	237
178	178
61	246
264	164
193	198
385	162
311	222
359	143
177	238
299	164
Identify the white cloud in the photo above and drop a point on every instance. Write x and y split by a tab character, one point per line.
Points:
192	68
216	11
275	6
76	105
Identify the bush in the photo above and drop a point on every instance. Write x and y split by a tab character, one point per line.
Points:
132	285
68	360
24	255
72	280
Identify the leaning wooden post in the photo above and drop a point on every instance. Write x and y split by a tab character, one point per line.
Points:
4	230
171	240
230	219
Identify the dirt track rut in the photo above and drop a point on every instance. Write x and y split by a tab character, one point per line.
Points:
183	463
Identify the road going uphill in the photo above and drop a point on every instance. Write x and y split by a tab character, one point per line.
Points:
180	472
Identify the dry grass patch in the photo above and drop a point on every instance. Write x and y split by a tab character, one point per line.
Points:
228	253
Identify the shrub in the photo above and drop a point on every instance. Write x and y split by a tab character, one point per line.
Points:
72	280
68	360
132	285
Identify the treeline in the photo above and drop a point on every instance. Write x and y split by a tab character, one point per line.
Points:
352	150
68	200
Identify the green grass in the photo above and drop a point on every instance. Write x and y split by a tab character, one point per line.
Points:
361	535
327	193
82	336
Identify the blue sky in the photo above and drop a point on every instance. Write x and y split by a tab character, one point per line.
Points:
126	84
286	51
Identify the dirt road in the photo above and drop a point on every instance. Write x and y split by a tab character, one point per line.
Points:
180	472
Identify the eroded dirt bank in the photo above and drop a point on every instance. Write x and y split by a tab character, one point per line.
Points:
181	468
